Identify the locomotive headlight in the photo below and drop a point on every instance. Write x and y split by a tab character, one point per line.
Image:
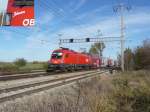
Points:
55	62
60	54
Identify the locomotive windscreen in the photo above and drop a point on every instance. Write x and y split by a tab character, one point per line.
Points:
24	3
56	55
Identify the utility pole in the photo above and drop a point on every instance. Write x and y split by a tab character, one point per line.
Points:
122	37
121	8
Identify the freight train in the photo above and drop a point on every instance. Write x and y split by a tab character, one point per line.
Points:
66	59
19	13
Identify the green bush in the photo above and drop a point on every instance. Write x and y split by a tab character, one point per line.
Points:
35	62
20	62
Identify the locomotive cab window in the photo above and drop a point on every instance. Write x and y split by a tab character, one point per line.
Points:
22	3
6	19
57	55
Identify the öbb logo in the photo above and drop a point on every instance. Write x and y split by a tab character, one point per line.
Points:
28	22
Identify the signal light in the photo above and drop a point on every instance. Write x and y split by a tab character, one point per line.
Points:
87	39
71	40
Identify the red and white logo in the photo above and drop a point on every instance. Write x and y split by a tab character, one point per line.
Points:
17	13
28	22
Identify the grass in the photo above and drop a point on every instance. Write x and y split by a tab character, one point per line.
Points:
9	68
32	66
127	92
132	90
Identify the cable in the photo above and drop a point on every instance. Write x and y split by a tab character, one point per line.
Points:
79	21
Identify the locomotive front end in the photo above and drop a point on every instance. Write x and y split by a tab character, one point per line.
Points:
56	61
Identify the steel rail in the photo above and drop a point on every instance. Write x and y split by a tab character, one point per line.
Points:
31	75
61	82
15	88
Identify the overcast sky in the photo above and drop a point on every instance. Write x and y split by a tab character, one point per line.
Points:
74	19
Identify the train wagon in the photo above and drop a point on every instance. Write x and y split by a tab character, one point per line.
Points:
109	62
67	59
19	13
96	61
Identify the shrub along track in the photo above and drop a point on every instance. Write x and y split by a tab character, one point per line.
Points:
10	93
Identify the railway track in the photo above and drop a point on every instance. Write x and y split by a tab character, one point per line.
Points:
31	75
19	72
20	76
10	93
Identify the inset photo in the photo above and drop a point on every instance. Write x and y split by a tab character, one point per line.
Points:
17	13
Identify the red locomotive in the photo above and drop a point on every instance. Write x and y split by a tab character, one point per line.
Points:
19	13
66	59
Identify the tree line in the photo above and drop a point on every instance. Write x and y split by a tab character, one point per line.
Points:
137	58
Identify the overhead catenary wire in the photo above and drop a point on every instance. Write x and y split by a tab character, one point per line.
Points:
62	11
64	15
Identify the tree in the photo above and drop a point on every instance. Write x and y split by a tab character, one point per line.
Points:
137	59
142	55
128	59
119	60
20	62
97	48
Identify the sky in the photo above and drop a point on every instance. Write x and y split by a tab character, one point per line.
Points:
75	19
